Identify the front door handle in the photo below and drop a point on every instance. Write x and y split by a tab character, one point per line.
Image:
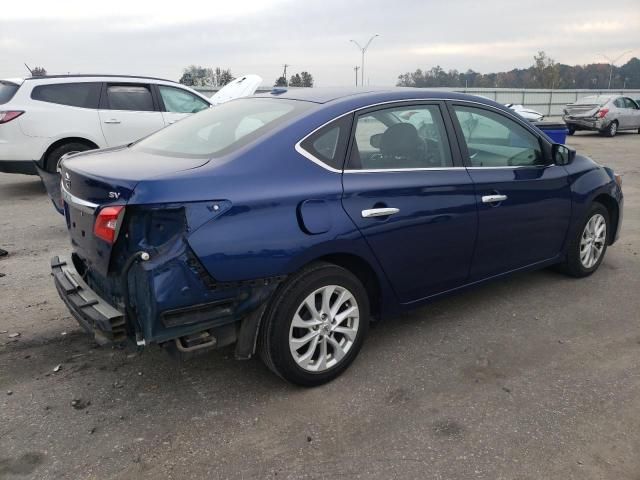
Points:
113	120
379	212
493	198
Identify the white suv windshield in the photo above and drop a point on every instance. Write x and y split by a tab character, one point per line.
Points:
219	130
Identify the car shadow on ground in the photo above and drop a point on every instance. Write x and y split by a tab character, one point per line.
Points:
23	186
153	370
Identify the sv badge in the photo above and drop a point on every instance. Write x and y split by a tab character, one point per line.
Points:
114	195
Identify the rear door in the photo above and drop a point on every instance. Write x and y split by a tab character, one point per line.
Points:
524	201
408	193
177	103
128	112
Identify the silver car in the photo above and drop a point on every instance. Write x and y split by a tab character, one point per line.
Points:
606	114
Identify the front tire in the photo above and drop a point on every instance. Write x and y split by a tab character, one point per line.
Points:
586	251
315	325
571	130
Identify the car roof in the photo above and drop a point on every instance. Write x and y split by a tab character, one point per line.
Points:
358	97
97	75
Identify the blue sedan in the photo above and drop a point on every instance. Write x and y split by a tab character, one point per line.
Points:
285	223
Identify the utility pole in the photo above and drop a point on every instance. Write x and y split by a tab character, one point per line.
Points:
356	68
284	74
363	50
612	63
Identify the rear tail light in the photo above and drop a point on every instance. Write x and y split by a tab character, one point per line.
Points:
602	112
108	223
8	115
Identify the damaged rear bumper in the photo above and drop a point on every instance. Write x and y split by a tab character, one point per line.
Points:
106	323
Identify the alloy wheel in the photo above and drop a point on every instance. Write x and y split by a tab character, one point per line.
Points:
593	240
324	328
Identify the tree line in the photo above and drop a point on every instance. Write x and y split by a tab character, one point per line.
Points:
198	76
543	73
302	79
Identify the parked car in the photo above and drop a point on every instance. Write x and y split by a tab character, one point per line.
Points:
284	222
606	114
44	118
526	113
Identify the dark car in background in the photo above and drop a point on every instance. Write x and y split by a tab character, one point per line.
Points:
285	222
607	114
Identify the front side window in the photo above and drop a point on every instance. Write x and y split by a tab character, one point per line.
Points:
217	131
630	104
399	138
79	94
494	140
129	97
177	100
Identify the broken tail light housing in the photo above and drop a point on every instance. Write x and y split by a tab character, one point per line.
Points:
108	223
8	115
602	112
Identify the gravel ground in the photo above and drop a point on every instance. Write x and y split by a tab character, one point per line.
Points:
534	377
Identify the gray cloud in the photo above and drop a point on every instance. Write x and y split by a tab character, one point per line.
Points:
314	36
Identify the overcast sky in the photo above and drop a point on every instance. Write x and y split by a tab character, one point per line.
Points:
248	36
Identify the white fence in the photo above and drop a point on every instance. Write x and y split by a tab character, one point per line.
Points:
546	101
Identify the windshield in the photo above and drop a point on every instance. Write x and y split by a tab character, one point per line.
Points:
222	129
7	91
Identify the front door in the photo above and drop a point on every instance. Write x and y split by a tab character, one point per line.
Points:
524	201
409	195
128	112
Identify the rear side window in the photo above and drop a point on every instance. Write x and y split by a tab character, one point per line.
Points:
177	100
329	144
399	138
129	97
7	91
85	95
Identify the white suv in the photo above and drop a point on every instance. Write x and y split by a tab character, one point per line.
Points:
44	118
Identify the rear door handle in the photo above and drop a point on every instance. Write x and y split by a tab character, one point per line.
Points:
493	198
113	120
379	212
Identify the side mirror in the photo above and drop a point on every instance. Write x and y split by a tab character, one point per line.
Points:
376	140
561	154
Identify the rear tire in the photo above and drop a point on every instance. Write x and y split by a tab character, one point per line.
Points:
587	249
611	130
52	160
327	306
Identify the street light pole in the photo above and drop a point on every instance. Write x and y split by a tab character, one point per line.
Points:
612	63
363	50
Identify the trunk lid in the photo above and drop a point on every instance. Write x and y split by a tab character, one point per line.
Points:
238	88
101	178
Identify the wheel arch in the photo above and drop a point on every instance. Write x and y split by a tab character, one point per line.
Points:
608	202
363	271
63	141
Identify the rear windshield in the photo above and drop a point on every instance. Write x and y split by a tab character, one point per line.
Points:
7	91
594	100
222	129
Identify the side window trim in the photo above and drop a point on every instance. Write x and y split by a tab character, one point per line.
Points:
456	155
462	144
